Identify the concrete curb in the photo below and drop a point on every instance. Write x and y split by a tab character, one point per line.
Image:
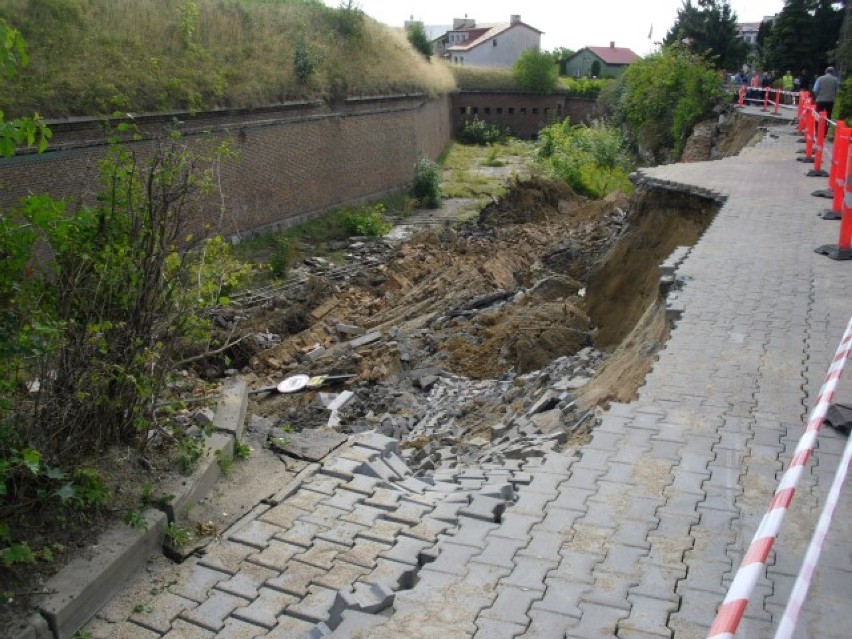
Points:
88	582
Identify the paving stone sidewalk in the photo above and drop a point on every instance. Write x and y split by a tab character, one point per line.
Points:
635	535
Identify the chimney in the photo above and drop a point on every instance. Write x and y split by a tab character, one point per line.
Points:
514	19
612	44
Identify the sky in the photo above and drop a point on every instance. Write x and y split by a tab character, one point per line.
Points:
573	24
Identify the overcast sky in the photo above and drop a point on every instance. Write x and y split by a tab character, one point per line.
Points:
566	23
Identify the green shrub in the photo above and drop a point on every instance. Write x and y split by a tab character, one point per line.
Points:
369	221
661	97
591	159
304	62
478	131
426	188
844	100
419	40
535	71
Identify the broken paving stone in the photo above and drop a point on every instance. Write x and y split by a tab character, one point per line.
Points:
548	421
369	338
349	329
308	445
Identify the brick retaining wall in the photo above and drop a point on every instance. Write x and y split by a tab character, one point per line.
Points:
293	160
524	113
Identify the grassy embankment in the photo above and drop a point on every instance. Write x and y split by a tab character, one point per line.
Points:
90	57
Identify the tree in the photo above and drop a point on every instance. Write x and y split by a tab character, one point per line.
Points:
536	72
419	40
560	55
709	29
805	35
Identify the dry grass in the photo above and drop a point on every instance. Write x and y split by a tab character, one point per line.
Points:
97	56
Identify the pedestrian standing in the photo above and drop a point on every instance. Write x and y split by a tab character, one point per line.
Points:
825	90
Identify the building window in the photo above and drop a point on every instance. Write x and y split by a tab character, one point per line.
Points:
523	110
494	43
559	109
546	110
511	110
463	110
499	110
475	110
487	110
535	110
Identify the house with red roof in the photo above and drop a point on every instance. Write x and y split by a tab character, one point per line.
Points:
599	62
487	45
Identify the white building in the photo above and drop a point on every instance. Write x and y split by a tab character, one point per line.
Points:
497	45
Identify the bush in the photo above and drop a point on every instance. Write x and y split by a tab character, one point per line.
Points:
419	40
369	221
478	131
591	160
426	188
535	71
661	97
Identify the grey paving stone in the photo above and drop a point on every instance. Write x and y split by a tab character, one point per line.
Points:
315	606
406	550
529	573
158	614
561	596
322	484
321	553
398	576
284	515
473	532
256	534
213	611
500	551
427	529
547	625
384	499
383	531
225	556
543	544
236	629
364	552
301	533
495	629
325	516
341	576
266	608
658	581
610	590
246	582
184	630
277	555
452	558
197	583
515	525
344	499
483	508
296	578
648	618
363	484
408	513
342	533
596	622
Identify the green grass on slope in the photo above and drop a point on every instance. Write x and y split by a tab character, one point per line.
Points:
99	56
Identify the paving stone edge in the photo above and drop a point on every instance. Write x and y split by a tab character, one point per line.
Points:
88	582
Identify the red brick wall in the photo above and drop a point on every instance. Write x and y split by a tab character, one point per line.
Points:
524	113
293	160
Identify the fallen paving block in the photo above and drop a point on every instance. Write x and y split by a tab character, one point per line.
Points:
369	338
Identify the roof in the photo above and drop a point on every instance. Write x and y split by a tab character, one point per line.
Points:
612	55
486	35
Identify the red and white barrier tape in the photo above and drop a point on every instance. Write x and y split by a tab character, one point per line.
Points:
803	580
731	611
